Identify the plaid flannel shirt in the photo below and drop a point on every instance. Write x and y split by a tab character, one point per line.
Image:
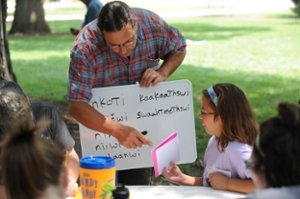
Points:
93	64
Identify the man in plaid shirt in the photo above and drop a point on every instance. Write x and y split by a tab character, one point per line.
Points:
122	46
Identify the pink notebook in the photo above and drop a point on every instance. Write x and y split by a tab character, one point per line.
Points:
166	151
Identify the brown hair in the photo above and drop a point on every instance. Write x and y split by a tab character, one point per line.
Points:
236	114
30	162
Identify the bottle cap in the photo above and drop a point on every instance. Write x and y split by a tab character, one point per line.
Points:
121	192
97	162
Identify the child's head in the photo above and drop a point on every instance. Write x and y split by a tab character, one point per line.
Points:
31	163
227	114
276	152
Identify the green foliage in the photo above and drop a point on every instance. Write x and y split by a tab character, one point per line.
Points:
296	10
259	53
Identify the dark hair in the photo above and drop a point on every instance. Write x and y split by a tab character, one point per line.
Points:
14	106
277	148
114	16
30	163
236	114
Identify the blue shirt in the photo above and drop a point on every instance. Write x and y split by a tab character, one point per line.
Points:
93	8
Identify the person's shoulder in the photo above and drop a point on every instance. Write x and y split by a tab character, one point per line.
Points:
144	14
88	32
212	141
95	4
236	147
88	38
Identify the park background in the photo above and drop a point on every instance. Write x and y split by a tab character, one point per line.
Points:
253	44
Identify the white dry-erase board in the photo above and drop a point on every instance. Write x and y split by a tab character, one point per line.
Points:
160	110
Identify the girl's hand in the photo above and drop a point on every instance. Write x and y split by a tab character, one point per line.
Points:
72	187
218	181
173	174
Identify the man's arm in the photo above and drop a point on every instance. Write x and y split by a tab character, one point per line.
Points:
91	118
169	65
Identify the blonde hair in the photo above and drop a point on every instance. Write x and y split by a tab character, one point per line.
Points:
30	162
236	114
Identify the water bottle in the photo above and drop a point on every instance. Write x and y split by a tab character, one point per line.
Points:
120	192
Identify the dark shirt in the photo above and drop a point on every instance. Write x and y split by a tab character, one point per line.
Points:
93	8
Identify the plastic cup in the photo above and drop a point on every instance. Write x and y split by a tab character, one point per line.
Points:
95	171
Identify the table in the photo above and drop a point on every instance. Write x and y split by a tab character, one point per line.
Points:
176	192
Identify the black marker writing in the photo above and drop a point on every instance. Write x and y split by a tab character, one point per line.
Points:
167	111
125	155
105	145
159	95
103	102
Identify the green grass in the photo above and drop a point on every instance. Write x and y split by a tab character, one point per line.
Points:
259	53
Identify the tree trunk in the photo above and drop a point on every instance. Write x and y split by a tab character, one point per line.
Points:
29	18
6	71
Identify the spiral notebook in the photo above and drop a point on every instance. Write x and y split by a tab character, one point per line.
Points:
166	151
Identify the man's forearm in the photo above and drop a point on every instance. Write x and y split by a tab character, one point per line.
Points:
91	118
171	63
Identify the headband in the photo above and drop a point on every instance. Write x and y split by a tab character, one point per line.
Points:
213	96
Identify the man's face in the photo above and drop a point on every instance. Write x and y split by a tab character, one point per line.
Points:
123	41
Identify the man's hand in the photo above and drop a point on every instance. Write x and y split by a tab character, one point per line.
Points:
131	138
151	78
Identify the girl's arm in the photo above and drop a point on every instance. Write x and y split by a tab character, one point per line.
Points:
191	181
174	175
221	182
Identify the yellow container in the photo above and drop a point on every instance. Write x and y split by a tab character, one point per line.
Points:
95	171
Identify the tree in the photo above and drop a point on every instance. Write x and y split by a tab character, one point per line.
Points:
6	71
29	18
296	10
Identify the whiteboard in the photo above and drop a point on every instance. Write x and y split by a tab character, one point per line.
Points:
160	110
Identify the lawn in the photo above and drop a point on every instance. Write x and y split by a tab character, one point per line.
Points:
258	53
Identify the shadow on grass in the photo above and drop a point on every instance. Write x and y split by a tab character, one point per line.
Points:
209	31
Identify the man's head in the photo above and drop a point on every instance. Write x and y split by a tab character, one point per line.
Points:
118	24
14	106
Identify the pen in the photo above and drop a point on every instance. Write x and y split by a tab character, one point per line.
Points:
144	133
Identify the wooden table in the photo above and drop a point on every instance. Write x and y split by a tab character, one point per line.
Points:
176	192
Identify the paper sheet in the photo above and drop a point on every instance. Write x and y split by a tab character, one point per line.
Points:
166	151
